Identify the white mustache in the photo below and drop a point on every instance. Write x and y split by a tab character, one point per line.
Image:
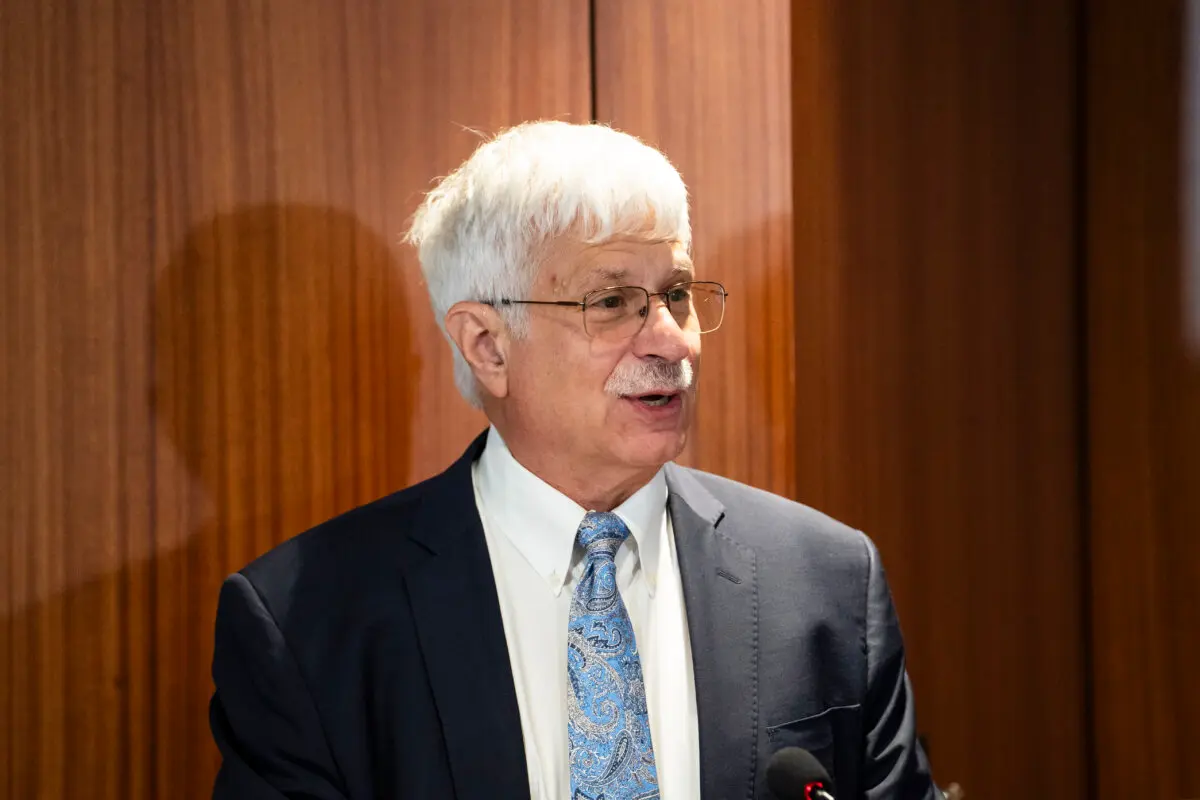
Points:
632	378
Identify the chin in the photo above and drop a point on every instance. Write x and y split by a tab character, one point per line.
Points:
652	449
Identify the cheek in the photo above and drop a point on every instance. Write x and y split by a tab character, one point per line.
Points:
556	369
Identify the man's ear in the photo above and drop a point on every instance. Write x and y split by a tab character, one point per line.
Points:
480	335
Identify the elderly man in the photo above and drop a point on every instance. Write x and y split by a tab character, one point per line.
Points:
564	613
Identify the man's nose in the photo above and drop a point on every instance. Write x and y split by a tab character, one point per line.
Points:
661	335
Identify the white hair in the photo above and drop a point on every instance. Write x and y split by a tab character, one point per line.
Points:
480	233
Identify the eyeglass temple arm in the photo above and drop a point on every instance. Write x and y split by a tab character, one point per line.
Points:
572	303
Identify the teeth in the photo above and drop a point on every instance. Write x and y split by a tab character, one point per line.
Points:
656	400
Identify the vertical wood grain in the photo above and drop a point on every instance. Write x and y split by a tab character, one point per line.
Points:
1144	405
936	339
707	82
210	338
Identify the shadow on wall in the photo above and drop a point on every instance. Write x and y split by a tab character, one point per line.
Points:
285	382
283	386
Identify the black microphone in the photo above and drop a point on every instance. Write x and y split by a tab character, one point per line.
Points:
793	773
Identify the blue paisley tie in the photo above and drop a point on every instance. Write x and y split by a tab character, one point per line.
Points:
611	755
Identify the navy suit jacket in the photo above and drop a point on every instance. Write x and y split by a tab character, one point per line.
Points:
366	658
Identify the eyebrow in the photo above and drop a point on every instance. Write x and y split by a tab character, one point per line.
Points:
608	274
611	277
684	266
598	278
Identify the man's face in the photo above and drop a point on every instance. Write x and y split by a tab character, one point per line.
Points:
560	378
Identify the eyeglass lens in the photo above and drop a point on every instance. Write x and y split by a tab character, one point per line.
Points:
621	312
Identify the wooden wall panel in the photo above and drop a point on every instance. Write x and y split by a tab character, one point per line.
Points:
210	338
936	327
707	82
1144	405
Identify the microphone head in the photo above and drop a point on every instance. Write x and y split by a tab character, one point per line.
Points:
791	770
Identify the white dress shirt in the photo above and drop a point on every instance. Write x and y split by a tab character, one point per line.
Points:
530	530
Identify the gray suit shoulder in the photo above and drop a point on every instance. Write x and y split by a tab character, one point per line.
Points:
770	523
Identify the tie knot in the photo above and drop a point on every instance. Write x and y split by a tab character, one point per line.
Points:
601	533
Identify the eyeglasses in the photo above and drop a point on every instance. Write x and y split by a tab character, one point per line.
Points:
620	312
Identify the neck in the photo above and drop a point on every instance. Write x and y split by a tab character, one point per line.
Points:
591	491
592	486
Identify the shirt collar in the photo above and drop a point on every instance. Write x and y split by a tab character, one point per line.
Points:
541	521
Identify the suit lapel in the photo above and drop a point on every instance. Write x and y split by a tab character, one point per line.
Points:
720	592
461	633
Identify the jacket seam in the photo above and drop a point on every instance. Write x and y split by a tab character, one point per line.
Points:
866	617
299	674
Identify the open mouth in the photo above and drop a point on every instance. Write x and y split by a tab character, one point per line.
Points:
653	400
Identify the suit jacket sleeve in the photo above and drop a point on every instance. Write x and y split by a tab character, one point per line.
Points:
262	715
895	765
